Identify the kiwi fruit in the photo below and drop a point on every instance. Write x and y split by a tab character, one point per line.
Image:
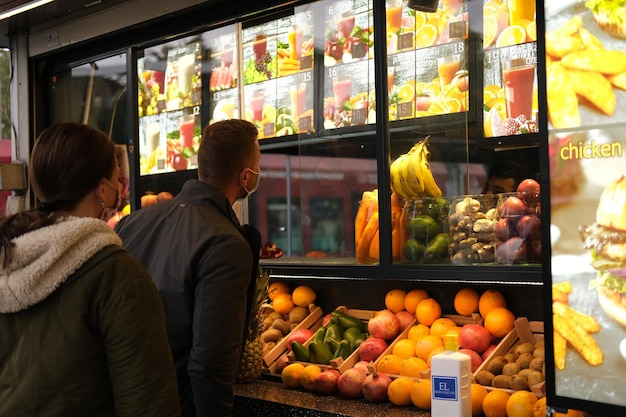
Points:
535	377
511	368
518	382
536	364
484	378
495	365
501	381
526	347
511	356
539	352
525	372
524	360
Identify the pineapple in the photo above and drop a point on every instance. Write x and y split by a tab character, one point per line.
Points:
252	356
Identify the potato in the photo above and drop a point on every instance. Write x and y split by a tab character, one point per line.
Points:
501	381
484	378
518	382
595	88
562	101
603	61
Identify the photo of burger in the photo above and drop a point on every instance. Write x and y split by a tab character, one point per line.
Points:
610	16
607	240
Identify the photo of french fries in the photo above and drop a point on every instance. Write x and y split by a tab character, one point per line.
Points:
581	71
573	328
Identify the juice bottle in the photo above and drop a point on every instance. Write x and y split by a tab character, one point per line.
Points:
451	378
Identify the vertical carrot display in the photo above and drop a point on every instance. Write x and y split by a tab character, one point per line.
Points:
362	215
397	235
363	245
375	246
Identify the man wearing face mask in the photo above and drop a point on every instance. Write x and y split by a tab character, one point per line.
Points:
204	264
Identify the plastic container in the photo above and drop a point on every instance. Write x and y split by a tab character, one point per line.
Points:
472	224
425	223
451	378
518	229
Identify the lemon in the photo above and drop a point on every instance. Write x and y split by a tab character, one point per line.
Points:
406	94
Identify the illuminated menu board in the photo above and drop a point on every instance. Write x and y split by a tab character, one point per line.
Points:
586	97
224	103
427	60
348	64
278	75
510	68
170	98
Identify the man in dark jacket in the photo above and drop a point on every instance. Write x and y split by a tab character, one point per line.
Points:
204	264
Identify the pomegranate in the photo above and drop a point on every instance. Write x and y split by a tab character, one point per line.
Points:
474	337
351	382
384	324
362	365
326	381
488	351
476	359
405	318
375	387
372	348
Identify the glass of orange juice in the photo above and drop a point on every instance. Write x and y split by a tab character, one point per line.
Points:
518	77
447	67
394	15
520	10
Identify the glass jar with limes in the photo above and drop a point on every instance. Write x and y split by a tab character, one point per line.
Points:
425	222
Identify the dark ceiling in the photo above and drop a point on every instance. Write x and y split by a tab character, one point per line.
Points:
54	13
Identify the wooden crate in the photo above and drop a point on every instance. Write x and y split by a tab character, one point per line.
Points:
523	332
339	363
312	322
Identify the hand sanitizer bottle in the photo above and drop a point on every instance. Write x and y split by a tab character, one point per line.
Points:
451	379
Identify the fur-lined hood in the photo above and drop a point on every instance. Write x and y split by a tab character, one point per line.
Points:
44	258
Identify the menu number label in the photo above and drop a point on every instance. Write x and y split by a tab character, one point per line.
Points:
405	40
306	124
268	129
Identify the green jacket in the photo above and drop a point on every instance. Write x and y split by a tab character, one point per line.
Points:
81	328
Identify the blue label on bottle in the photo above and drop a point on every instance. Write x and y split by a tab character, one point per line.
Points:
445	388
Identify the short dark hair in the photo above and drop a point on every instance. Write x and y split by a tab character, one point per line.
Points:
226	148
509	168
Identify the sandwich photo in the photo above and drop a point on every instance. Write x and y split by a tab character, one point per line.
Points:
607	240
610	16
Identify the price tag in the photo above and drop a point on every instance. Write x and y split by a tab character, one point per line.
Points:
268	129
405	40
306	62
359	116
358	50
458	29
305	124
405	109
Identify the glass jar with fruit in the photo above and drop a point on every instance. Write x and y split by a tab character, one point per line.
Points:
425	223
518	229
472	221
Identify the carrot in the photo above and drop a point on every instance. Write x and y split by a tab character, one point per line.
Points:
361	216
375	246
363	245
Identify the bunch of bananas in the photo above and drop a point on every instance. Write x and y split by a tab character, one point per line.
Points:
411	177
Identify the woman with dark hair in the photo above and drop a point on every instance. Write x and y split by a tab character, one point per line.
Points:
82	330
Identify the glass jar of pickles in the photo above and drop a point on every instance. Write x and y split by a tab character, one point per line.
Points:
472	222
425	223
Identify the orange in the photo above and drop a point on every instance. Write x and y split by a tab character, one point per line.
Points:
428	311
466	301
302	296
521	404
389	364
426	35
405	348
412	367
513	35
291	375
539	410
283	303
490	30
399	391
494	403
477	394
413	298
531	31
441	326
394	300
420	19
421	393
418	330
425	345
435	351
489	300
275	288
307	378
498	103
490	91
499	322
453	104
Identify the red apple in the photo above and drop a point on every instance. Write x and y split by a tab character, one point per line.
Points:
474	337
326	381
474	356
383	324
299	335
528	186
372	348
375	387
350	383
512	207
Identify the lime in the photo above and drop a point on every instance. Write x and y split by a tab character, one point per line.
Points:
422	228
413	250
